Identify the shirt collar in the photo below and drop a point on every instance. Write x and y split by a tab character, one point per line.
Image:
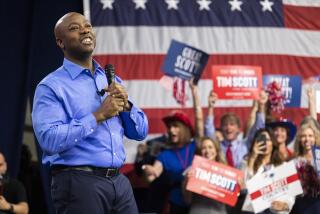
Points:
75	70
227	143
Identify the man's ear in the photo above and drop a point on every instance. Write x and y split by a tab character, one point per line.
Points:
60	43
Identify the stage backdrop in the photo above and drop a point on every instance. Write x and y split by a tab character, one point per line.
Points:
280	36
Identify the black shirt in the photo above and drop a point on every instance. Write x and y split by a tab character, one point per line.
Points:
14	192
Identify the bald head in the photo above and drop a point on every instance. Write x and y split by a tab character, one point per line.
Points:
61	21
75	37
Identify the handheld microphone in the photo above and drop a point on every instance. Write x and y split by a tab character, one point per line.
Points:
110	74
109	71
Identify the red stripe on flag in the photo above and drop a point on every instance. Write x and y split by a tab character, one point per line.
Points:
299	17
131	67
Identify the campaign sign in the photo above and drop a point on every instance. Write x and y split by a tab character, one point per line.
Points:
184	61
290	85
236	82
215	180
275	183
316	158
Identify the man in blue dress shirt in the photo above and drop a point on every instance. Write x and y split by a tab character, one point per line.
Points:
81	131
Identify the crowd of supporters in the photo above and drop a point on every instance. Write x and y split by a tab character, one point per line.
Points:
267	142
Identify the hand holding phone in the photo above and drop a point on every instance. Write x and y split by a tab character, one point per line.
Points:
262	138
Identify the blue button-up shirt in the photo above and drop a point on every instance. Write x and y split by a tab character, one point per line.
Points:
239	148
67	130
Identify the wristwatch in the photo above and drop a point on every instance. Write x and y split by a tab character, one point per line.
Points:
11	210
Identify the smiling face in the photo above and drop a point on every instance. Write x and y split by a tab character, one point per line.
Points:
230	130
280	134
230	126
307	139
208	150
74	35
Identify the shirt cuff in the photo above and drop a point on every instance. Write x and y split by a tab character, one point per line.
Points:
89	123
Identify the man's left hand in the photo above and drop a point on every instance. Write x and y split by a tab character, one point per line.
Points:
118	91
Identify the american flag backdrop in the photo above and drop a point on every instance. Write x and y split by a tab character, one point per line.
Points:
281	36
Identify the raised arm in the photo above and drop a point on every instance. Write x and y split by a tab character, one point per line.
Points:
252	117
209	123
260	118
312	103
198	113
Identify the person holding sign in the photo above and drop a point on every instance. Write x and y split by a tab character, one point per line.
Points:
307	137
209	149
233	148
175	160
264	156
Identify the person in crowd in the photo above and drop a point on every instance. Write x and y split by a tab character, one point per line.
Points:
263	156
174	161
309	202
13	196
232	147
151	197
209	149
29	175
181	143
284	131
80	119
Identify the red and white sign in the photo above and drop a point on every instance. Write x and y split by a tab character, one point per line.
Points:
273	184
215	180
237	82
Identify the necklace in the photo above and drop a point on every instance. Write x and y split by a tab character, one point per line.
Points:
183	161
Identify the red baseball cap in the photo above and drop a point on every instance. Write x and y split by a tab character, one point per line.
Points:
178	116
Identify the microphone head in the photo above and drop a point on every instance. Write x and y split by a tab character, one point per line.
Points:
109	71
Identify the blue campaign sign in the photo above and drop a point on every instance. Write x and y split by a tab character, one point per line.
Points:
291	87
316	158
184	61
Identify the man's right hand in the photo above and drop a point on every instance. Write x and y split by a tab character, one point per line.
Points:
110	107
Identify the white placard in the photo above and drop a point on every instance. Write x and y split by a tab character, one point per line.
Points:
273	184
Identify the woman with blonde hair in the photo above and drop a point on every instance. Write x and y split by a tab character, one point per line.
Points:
210	149
307	137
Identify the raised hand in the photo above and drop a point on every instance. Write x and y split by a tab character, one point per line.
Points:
212	98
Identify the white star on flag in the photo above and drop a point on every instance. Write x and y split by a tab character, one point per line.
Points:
266	5
235	5
140	4
204	4
107	4
172	4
